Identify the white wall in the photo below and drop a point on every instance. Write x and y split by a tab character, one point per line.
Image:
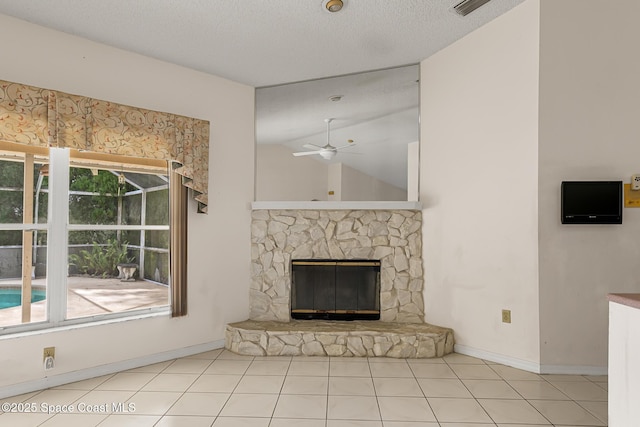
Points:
358	186
589	130
281	176
218	251
478	187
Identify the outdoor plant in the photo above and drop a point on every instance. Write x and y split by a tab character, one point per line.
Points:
101	260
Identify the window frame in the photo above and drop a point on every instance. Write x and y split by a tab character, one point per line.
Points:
58	228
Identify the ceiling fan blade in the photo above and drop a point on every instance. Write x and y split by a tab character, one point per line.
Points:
346	146
312	146
306	153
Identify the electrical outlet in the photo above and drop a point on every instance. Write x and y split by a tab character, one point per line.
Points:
48	352
506	316
635	182
48	358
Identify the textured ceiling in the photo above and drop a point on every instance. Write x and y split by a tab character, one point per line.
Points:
260	42
265	43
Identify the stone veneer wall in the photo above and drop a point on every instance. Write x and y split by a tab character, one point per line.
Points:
393	237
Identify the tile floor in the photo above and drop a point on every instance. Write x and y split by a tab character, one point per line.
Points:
221	389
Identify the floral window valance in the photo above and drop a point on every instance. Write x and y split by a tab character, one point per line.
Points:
46	118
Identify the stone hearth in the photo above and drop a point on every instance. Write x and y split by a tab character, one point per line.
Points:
391	236
347	339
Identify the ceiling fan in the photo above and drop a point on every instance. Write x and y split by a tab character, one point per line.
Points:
327	152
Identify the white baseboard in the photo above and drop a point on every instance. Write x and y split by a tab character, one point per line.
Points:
530	366
84	374
525	365
574	370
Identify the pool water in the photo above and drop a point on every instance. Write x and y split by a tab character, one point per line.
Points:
12	297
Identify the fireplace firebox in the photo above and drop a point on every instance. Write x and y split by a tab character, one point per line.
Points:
335	289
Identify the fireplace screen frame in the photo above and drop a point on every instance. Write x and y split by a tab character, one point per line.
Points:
335	289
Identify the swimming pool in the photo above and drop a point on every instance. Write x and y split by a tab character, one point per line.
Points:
12	297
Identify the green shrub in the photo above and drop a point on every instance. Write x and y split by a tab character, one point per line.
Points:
102	260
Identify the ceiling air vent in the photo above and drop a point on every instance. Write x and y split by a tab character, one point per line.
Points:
467	6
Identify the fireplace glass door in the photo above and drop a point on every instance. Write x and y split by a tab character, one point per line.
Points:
335	289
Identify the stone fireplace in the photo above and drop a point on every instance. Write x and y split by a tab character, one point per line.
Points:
390	238
393	237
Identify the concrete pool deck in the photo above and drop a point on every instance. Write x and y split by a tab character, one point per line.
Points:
90	296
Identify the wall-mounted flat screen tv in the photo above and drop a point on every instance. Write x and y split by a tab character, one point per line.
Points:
591	202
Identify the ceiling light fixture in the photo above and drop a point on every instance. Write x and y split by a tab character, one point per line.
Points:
332	6
467	6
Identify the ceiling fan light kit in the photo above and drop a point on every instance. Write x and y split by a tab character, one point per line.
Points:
327	152
465	7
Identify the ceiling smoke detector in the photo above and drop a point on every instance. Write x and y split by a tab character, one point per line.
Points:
332	6
467	6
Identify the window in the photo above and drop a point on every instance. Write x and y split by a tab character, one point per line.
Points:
110	258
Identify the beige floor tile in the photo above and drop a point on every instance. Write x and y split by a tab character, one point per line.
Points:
432	371
228	355
512	411
215	383
351	386
582	390
153	402
563	378
301	406
417	424
185	421
397	387
405	409
509	373
187	366
199	404
430	361
271	384
598	409
443	387
88	384
305	385
155	368
565	413
250	405
296	422
363	408
125	381
100	397
170	382
349	368
462	358
271	367
57	397
538	390
74	420
130	421
470	425
353	423
209	355
309	369
395	370
491	389
241	422
449	410
23	420
224	366
474	372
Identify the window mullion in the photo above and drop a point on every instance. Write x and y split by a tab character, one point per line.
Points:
57	261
